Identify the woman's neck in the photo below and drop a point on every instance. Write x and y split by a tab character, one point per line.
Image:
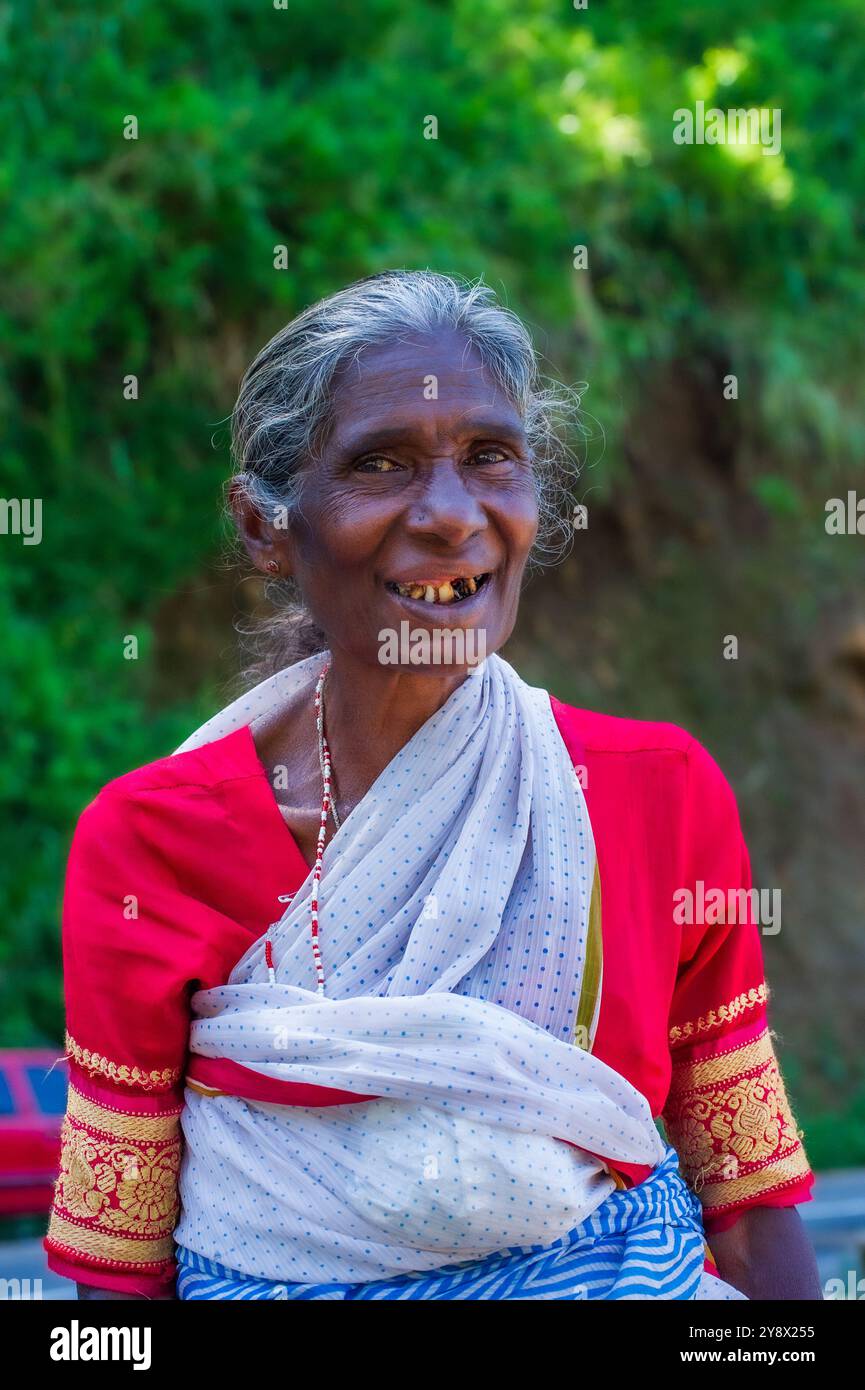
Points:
369	716
371	713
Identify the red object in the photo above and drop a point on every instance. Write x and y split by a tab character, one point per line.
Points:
220	1074
32	1102
177	868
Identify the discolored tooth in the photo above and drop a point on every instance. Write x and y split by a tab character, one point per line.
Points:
430	594
416	591
471	585
446	592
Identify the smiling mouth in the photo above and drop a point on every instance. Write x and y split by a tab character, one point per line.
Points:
451	591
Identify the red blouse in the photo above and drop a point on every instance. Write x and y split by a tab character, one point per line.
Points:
177	867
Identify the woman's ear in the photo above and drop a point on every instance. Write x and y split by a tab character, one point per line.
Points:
267	543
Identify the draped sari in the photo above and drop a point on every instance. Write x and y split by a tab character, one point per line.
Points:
459	1116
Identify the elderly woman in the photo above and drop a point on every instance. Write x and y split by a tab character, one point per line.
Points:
396	941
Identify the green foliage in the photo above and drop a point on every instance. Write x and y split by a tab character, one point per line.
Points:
778	495
304	127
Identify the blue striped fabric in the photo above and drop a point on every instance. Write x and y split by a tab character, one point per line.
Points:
646	1242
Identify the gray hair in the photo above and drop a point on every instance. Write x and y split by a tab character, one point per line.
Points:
283	408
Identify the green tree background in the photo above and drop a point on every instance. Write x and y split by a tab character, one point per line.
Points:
304	127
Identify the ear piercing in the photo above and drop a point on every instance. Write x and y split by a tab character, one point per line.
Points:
273	566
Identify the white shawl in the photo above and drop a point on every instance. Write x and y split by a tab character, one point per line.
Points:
454	910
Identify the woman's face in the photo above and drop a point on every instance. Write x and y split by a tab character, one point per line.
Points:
424	482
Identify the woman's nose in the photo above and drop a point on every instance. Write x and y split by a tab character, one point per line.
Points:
446	507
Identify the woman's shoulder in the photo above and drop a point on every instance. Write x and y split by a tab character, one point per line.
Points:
223	760
659	770
644	749
610	733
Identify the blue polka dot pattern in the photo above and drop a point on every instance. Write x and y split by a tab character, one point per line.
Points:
645	1243
454	911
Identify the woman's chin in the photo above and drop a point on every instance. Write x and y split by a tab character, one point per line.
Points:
439	638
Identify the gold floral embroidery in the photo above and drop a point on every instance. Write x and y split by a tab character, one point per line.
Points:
116	1196
730	1121
725	1013
97	1065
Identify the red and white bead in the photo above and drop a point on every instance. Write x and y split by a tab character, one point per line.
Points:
326	808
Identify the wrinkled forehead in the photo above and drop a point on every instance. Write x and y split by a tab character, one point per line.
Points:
424	386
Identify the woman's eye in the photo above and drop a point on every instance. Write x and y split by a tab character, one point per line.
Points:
488	456
376	463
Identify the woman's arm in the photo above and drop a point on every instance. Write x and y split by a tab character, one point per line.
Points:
767	1255
115	1201
727	1112
87	1291
129	949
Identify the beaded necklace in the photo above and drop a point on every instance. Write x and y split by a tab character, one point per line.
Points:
328	806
